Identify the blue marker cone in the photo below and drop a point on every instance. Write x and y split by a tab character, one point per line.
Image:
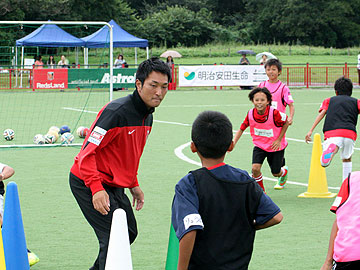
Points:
16	257
173	251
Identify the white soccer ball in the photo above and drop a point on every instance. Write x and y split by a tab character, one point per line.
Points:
55	129
9	134
39	139
67	138
50	138
55	134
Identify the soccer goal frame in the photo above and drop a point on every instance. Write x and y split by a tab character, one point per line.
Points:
111	48
111	41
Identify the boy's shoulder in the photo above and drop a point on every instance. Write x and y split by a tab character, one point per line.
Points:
283	86
186	179
344	98
238	171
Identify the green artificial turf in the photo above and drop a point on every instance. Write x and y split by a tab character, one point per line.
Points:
58	233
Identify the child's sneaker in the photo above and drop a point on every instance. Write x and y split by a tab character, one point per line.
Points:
327	155
33	258
282	180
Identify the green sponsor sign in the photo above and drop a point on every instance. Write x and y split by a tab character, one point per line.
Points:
100	78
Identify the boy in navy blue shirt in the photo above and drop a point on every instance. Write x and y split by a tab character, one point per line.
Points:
217	209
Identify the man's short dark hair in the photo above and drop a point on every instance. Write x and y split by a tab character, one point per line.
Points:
274	62
262	90
212	134
150	65
343	86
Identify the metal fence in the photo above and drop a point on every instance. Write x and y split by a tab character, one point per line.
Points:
16	78
317	75
308	75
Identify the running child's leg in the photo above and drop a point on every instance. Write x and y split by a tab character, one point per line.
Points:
346	146
331	147
276	161
347	168
257	175
258	158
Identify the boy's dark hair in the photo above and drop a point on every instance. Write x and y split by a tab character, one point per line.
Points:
150	65
343	86
212	134
262	90
274	62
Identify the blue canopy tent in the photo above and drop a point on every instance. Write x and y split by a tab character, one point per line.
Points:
49	35
121	38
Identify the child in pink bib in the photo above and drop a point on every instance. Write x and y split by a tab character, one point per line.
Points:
267	129
344	246
281	96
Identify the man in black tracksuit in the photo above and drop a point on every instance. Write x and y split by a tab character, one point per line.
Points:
109	158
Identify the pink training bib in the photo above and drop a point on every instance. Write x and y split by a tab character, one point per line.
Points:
264	134
347	205
280	94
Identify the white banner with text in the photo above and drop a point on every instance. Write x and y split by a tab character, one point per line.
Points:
221	75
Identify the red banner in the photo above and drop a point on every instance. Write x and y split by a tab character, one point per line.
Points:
50	78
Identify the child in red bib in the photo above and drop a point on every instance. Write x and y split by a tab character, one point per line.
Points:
267	129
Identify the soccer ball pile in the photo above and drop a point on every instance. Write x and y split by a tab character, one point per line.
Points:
49	138
55	132
9	134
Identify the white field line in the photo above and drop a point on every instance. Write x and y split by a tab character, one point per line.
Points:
78	110
39	145
194	105
178	151
183	124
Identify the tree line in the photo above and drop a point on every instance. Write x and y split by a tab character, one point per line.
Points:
174	23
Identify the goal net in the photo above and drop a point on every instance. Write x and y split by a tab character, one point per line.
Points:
36	94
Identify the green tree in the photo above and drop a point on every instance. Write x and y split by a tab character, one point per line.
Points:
94	10
178	25
319	23
10	11
345	31
64	10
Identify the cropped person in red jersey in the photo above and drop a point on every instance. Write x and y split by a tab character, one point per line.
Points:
109	158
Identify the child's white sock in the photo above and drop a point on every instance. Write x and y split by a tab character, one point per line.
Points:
347	167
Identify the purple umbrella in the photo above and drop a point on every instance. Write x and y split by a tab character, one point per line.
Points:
246	52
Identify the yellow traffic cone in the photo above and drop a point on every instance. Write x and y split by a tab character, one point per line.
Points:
317	185
2	257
